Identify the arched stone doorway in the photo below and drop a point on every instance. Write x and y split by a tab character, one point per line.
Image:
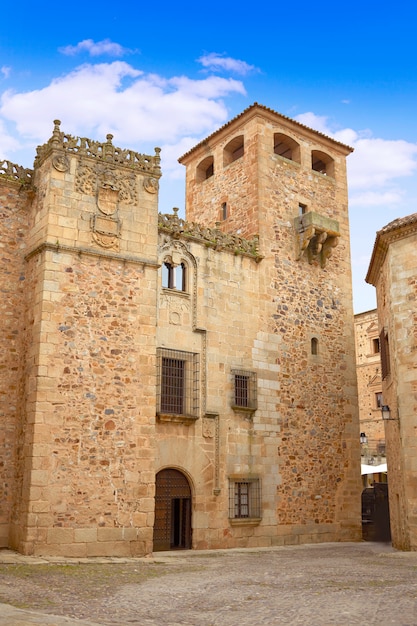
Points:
172	528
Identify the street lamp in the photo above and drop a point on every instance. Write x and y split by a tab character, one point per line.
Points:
363	438
386	413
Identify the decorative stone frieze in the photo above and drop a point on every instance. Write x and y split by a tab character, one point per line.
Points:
11	171
211	237
102	151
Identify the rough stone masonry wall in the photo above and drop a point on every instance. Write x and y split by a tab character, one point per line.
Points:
87	444
13	232
91	410
320	460
397	296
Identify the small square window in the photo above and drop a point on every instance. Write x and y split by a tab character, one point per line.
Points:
245	498
244	390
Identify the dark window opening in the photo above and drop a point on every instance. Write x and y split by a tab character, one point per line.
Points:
314	346
234	150
375	346
302	209
286	147
205	169
172	386
322	163
224	211
245	499
244	389
385	354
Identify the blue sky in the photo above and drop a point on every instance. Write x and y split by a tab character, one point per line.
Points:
168	74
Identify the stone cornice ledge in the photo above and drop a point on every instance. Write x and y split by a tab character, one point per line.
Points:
57	247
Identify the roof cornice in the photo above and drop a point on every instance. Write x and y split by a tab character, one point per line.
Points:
398	229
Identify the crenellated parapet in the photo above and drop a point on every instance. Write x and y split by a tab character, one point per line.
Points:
11	171
210	237
102	151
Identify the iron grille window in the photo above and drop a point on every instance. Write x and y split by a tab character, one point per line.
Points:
245	499
244	389
178	382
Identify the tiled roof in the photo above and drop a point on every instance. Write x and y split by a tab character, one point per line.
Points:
268	110
399	223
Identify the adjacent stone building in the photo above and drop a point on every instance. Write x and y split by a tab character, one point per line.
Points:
368	365
170	383
393	271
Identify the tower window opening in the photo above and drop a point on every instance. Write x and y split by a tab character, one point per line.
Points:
286	147
205	169
322	163
234	150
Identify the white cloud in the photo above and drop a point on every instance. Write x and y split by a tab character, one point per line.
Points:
219	62
5	70
377	162
390	198
137	108
375	165
95	48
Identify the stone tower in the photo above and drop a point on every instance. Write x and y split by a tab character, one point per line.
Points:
265	175
88	331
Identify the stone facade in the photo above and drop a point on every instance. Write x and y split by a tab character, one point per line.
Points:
179	383
368	366
393	271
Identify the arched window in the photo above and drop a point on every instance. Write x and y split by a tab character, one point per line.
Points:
286	147
224	214
322	162
234	150
205	169
174	276
314	346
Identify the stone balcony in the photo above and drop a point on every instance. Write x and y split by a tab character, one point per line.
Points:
317	236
